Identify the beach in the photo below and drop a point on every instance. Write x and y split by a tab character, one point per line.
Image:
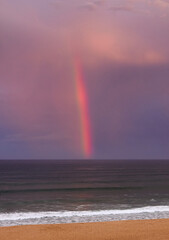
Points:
121	230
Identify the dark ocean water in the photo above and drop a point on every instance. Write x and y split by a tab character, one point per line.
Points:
48	191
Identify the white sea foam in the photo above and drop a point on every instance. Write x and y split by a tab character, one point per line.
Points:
80	214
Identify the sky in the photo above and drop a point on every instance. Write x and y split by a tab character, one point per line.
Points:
84	79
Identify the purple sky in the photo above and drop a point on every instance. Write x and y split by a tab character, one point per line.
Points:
124	51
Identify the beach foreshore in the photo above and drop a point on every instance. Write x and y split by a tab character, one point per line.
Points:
121	230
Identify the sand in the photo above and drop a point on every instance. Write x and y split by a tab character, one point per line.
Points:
127	230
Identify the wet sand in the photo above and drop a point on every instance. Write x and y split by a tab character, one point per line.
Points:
121	230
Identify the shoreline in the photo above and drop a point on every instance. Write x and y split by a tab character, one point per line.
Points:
61	217
155	229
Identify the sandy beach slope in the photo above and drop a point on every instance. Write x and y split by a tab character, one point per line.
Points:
127	230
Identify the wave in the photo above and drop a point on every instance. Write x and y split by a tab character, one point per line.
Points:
69	214
71	189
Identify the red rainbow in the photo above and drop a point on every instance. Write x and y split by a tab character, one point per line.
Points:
83	109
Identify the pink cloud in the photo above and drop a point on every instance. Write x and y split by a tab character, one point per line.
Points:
36	67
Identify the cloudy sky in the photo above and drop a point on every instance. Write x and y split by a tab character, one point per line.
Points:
123	50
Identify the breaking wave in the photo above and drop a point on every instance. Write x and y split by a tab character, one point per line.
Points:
23	218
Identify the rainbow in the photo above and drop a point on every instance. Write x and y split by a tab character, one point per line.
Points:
83	109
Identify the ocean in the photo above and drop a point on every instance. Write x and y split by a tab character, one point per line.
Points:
66	191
